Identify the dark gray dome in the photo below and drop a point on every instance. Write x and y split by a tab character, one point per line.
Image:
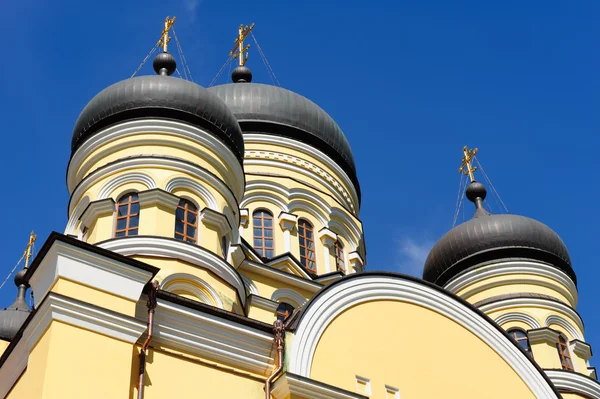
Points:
13	317
159	97
488	238
274	110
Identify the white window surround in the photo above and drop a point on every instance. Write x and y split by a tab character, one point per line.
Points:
366	382
364	288
393	391
190	283
290	296
531	322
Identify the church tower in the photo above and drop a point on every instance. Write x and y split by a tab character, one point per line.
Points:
518	272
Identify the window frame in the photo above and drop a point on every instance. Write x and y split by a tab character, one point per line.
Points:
513	334
284	311
340	258
565	354
128	216
305	260
185	223
262	249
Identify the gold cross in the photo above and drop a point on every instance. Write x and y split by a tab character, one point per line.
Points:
164	36
466	166
27	254
238	49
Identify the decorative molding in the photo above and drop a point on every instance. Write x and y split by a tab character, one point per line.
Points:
230	164
287	221
339	297
190	283
520	268
291	385
170	248
327	237
213	338
345	189
528	302
160	162
236	252
289	264
568	381
250	286
518	316
76	215
215	219
96	209
581	349
158	197
281	294
564	323
132	177
543	335
263	303
81	266
356	262
197	188
244	217
286	278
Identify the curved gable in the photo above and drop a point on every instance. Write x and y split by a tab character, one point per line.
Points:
402	332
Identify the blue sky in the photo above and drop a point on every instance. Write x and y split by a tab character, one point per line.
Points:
410	83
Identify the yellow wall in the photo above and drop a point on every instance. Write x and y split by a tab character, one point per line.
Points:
423	353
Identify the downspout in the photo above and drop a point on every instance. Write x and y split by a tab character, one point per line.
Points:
151	304
279	330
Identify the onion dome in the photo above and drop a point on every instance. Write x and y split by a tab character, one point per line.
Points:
13	317
280	112
489	238
159	96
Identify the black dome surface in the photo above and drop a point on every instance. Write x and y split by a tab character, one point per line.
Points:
13	317
487	238
274	110
159	97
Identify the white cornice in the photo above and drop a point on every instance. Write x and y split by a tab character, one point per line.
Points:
289	279
151	161
262	303
517	316
174	249
286	294
564	324
356	261
244	217
543	335
305	388
581	349
96	209
574	382
149	126
286	263
195	187
158	197
215	219
527	302
287	221
132	177
81	266
327	237
212	337
518	268
336	299
257	138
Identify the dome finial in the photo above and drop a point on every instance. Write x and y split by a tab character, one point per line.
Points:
164	64
476	191
241	74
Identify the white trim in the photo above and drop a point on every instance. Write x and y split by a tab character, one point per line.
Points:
215	219
581	349
257	138
364	381
392	390
213	338
574	382
149	161
338	298
76	215
564	323
250	286
286	278
96	209
286	263
81	266
281	294
132	177
518	268
192	185
157	196
189	284
145	126
170	248
263	303
517	316
289	385
69	311
543	335
526	302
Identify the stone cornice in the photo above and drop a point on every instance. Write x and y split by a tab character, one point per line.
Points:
96	209
543	335
158	197
244	217
287	221
570	381
215	219
327	237
581	349
306	388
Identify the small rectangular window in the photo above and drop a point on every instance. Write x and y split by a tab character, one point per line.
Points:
391	392
363	385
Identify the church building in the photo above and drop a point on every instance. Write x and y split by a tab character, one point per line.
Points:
214	249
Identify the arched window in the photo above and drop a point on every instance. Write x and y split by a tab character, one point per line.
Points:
263	233
339	257
186	221
128	215
307	245
521	337
284	310
563	352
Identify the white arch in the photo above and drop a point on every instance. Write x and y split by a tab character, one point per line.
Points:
310	209
190	284
517	316
272	199
281	294
76	214
336	299
564	323
133	177
203	192
250	286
